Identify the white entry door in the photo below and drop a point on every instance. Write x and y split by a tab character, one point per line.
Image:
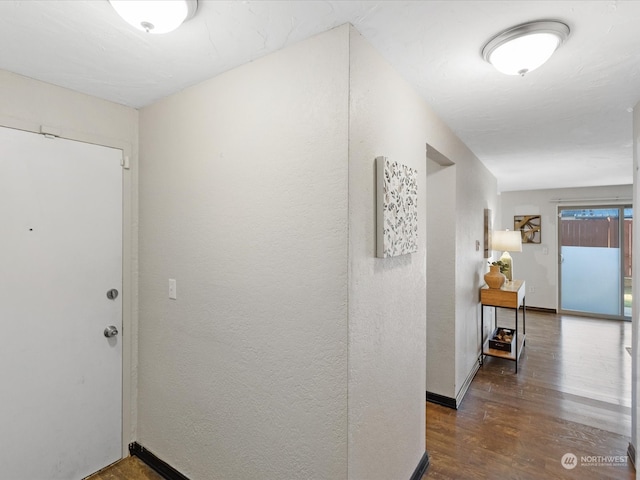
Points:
60	253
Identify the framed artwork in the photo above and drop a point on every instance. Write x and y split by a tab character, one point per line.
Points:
488	228
397	209
529	226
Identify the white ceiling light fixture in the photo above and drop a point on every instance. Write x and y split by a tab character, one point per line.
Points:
155	16
525	47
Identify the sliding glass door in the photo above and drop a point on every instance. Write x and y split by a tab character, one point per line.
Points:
595	260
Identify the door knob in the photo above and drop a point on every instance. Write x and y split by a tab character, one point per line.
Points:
110	331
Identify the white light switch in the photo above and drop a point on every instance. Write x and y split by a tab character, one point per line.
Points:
545	251
172	289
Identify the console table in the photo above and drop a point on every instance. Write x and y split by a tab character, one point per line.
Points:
511	295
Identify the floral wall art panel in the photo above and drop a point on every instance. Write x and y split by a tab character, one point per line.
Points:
397	209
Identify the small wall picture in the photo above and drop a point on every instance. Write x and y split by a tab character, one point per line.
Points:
397	209
529	226
488	228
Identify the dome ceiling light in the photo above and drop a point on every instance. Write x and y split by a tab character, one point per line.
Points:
155	16
523	48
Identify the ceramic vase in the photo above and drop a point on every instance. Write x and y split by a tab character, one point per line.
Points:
494	279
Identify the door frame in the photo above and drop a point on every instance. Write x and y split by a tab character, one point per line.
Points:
621	206
129	258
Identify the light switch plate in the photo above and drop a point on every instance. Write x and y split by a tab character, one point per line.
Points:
172	289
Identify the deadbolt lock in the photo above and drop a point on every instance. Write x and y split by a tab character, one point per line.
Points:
112	294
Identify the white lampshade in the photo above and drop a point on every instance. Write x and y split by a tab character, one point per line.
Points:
506	241
524	48
155	16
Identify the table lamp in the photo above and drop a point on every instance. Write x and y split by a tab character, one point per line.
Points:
507	241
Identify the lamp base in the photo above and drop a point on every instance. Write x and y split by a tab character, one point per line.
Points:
507	260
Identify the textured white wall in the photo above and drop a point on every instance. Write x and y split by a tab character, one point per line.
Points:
441	277
243	201
27	104
387	307
387	297
537	268
476	189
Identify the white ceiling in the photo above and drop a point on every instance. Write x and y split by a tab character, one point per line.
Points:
565	124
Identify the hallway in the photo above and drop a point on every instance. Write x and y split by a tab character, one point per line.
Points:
572	395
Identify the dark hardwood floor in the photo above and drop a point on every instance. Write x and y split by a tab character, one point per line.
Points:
572	395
